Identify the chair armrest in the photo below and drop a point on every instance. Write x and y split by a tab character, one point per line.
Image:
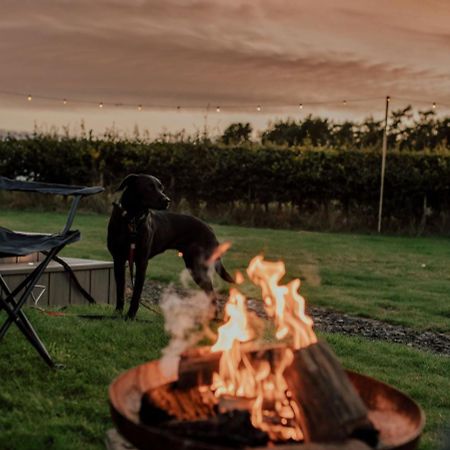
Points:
51	188
48	188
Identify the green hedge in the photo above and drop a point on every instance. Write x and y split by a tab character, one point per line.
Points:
304	180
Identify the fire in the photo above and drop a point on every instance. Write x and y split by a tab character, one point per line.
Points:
255	376
237	328
282	302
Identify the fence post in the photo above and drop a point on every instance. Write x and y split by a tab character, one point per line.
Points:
383	163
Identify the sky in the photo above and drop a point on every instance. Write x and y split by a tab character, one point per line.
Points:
200	54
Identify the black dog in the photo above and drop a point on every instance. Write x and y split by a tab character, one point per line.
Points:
139	224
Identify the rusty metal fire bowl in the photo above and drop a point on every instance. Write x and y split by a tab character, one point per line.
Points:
398	418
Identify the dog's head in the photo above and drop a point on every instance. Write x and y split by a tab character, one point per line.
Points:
143	192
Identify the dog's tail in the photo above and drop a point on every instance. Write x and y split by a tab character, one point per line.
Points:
220	269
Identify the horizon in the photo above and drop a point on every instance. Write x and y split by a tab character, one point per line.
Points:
205	129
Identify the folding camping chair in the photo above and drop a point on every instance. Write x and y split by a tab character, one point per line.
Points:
21	244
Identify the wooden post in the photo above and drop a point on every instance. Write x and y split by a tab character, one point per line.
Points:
383	163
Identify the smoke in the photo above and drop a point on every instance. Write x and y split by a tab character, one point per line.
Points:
187	315
185	278
186	321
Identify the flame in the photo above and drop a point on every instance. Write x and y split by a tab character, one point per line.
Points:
283	303
260	378
237	327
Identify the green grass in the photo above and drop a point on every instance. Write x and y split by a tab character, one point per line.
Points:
68	408
397	279
380	277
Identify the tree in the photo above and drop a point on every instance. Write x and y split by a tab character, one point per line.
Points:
237	133
343	135
314	130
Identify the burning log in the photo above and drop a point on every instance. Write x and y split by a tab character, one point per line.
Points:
197	368
294	391
330	407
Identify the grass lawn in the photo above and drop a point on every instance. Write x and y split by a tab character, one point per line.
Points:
397	279
401	280
67	409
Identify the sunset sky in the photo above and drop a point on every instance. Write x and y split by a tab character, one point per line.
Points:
234	53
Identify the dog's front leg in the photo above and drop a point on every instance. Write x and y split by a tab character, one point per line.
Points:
119	275
141	269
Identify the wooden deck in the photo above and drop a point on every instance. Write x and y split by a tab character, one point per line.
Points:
55	288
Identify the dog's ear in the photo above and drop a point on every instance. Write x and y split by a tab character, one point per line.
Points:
127	181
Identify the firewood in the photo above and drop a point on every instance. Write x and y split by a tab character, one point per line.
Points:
232	429
330	407
196	368
349	444
168	402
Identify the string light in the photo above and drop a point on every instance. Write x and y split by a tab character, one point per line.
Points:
300	106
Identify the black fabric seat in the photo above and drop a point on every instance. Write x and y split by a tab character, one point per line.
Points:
20	244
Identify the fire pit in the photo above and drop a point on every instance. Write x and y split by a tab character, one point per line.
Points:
398	418
242	393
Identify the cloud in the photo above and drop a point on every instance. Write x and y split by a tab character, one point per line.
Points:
237	52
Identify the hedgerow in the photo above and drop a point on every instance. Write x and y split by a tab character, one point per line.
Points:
317	187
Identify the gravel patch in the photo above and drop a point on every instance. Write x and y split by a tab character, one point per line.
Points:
335	322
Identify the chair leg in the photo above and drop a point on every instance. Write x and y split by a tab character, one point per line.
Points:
27	330
29	283
13	309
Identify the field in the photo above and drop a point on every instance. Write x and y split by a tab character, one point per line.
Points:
400	280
